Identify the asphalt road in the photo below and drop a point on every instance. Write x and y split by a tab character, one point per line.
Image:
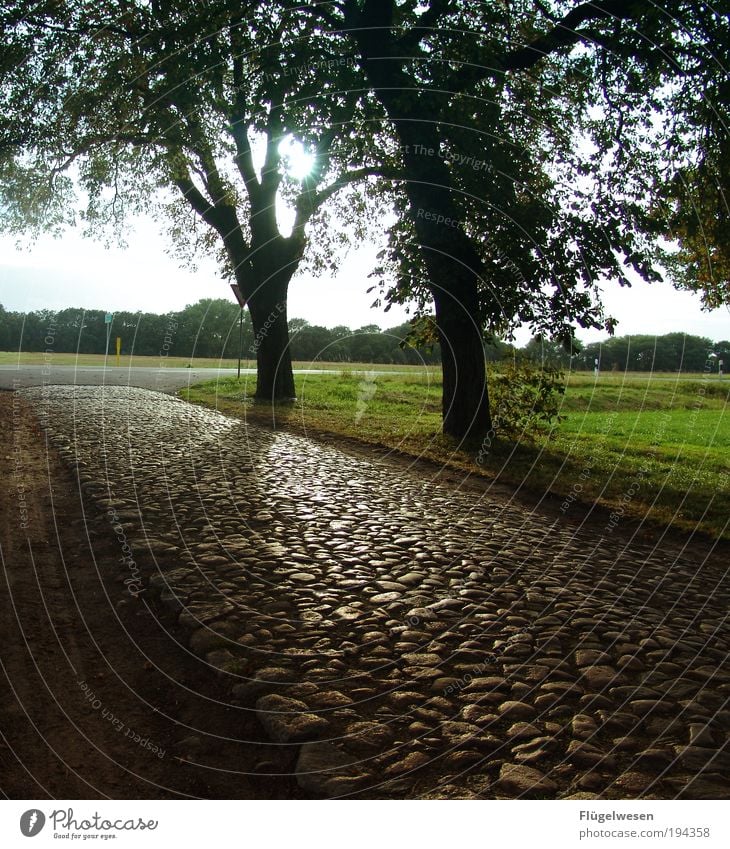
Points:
160	379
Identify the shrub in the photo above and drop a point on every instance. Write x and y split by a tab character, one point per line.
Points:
524	397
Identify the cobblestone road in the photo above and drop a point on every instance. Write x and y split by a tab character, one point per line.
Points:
414	640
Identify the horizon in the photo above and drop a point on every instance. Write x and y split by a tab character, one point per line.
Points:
143	277
607	338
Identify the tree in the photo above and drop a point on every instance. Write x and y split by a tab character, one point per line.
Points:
209	328
311	342
547	352
643	352
532	140
148	98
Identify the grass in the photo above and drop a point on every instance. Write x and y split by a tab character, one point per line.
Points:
652	447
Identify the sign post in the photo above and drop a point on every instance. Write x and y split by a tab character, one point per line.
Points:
241	303
119	348
108	318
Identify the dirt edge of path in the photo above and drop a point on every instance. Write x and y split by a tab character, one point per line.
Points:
102	698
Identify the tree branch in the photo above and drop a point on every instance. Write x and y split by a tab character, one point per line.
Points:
244	158
564	34
425	25
93	28
192	194
270	174
309	202
239	125
545	11
221	218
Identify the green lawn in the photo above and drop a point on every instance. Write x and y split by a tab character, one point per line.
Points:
649	446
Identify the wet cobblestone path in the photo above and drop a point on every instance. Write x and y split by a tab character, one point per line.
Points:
408	638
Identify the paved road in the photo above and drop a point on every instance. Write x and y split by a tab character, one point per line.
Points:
159	379
168	380
408	638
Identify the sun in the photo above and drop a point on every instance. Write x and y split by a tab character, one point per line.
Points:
298	162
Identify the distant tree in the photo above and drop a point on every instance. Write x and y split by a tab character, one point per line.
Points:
722	349
5	330
296	324
670	352
312	342
547	352
209	328
406	349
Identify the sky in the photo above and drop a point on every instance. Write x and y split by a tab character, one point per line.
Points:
73	271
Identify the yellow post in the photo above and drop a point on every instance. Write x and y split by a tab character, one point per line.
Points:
119	348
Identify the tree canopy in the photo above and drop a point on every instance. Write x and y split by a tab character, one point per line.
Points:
190	111
542	146
530	152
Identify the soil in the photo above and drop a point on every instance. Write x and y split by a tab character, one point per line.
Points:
100	697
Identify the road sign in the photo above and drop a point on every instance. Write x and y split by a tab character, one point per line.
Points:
241	303
108	318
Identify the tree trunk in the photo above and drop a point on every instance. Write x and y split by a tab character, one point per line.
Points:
274	378
452	262
465	401
454	269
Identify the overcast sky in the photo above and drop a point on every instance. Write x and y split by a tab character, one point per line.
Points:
76	272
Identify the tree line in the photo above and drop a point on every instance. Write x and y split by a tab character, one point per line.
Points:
210	328
671	352
577	142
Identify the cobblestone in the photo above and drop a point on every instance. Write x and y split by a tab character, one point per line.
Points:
408	637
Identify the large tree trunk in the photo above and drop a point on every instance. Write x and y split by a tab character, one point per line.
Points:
465	402
454	269
452	261
268	307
